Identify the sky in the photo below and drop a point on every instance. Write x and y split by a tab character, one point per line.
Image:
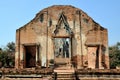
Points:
16	13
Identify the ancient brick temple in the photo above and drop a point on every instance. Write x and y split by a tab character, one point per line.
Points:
62	35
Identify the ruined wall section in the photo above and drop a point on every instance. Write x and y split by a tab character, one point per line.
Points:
33	33
43	39
91	33
74	20
40	29
97	36
85	30
41	32
17	49
106	61
77	40
86	25
67	11
24	35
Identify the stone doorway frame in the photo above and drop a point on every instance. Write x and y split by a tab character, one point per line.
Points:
36	56
98	55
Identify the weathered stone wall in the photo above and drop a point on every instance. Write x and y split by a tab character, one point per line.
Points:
83	31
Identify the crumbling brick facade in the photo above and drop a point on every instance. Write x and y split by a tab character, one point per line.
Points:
62	33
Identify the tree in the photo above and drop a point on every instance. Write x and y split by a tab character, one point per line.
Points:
0	50
7	55
114	55
11	47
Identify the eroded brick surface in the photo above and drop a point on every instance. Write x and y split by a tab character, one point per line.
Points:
88	41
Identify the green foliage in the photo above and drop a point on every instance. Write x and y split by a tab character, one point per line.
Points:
114	55
7	55
10	47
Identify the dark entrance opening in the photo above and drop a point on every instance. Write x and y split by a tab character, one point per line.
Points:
97	57
30	56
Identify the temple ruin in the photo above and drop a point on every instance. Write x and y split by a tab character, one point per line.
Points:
62	35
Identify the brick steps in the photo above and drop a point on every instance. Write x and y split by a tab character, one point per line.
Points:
66	77
64	74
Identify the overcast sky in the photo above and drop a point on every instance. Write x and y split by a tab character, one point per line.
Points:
16	13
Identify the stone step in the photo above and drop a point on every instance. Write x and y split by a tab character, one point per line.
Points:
64	70
66	79
64	74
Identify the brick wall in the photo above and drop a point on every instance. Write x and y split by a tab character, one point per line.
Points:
83	32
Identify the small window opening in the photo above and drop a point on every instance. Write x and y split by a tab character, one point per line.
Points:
41	17
50	22
77	12
85	20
